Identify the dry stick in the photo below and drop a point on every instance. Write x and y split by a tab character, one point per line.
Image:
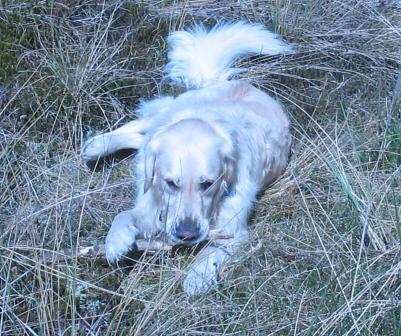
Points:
98	251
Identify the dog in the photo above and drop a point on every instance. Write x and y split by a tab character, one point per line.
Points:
202	156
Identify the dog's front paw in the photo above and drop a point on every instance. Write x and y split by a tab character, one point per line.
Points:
201	277
120	240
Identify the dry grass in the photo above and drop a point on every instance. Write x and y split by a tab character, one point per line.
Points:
326	250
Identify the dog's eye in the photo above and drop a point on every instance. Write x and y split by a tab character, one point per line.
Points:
172	184
206	185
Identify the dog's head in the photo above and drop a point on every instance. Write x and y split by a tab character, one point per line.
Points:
190	166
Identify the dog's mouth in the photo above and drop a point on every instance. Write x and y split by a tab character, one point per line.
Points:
187	242
188	238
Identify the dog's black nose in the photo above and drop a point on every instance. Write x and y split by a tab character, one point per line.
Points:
187	230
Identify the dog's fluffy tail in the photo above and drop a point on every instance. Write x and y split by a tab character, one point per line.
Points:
198	58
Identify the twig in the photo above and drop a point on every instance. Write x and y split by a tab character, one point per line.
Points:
98	251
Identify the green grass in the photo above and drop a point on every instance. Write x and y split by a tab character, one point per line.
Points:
325	252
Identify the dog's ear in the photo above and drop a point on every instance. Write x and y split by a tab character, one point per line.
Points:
230	173
150	161
150	166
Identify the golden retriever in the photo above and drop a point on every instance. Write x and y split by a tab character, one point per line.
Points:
203	155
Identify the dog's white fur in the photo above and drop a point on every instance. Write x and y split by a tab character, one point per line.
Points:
204	155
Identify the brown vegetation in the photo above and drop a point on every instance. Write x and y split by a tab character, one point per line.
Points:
325	254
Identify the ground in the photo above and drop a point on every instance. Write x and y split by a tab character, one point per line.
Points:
325	252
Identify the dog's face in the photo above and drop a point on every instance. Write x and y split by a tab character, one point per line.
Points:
188	167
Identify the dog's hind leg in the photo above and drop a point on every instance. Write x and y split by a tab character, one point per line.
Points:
127	137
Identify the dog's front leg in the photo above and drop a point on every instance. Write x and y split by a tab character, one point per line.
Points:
122	235
141	221
203	272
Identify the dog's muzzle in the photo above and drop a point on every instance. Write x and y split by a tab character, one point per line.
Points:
187	231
